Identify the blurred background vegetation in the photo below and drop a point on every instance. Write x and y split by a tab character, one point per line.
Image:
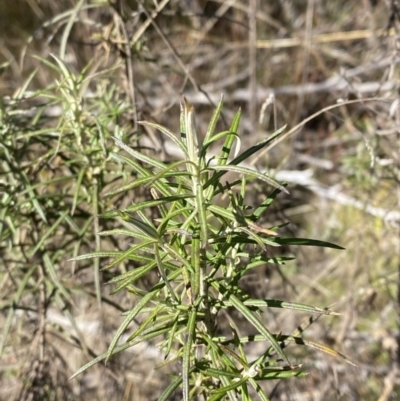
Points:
76	72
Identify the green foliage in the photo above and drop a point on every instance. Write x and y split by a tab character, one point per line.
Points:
204	240
54	164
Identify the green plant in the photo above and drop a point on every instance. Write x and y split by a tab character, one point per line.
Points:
202	242
53	169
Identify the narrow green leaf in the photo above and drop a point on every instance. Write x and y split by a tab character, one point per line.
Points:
243	156
144	205
172	334
48	233
195	274
166	395
188	351
272	303
150	335
226	148
217	373
139	156
249	228
252	318
19	94
182	211
221	392
128	319
150	319
215	138
250	173
68	27
178	142
220	211
166	172
140	182
254	236
68	85
77	190
202	216
259	390
261	260
191	137
254	149
221	360
217	355
130	278
320	347
158	202
305	242
182	121
145	228
128	233
50	268
131	274
33	197
101	254
125	255
179	258
132	163
213	121
264	205
162	272
281	375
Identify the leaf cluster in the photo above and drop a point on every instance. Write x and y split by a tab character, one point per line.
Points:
203	242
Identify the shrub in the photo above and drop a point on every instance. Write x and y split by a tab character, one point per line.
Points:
202	242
